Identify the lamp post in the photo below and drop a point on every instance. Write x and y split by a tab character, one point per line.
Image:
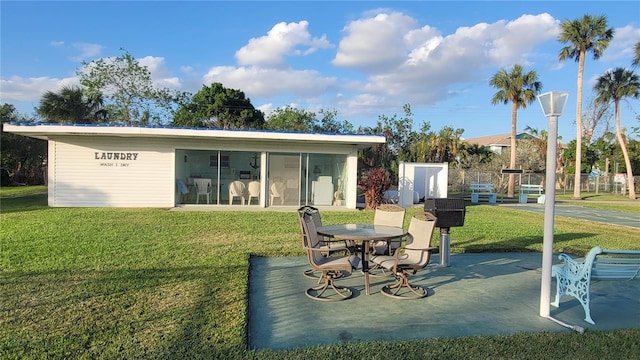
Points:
552	106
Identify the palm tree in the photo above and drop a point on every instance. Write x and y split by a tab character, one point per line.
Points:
614	85
587	34
636	54
520	89
70	104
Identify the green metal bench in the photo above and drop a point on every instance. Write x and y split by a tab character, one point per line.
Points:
574	278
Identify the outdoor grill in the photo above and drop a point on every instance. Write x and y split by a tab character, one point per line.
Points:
450	213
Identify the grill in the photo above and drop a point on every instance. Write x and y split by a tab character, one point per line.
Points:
450	213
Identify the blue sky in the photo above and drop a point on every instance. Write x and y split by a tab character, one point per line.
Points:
361	58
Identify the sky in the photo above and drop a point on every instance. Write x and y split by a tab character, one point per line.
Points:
363	59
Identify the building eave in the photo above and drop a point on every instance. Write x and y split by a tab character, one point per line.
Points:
47	131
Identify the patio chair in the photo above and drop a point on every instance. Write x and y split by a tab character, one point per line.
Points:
203	187
329	247
254	191
390	215
409	259
277	190
331	267
236	189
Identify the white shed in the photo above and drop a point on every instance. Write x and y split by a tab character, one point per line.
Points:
421	180
127	166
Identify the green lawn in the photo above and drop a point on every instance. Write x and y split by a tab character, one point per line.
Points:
151	283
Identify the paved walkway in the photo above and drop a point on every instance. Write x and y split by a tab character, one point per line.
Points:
579	212
479	294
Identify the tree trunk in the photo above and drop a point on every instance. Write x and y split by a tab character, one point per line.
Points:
625	153
577	186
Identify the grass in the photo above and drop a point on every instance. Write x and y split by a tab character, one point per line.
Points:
150	283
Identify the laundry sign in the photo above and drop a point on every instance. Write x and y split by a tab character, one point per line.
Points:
115	159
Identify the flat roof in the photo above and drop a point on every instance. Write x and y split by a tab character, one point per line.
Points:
46	130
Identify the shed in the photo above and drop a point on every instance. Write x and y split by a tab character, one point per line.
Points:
419	180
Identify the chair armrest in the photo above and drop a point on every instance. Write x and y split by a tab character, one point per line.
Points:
572	268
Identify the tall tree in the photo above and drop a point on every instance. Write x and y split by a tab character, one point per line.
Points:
587	34
330	123
615	85
596	113
71	105
216	106
129	88
290	118
636	54
520	89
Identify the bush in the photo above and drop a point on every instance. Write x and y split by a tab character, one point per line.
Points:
373	184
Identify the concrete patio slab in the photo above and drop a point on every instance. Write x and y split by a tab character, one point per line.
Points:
479	294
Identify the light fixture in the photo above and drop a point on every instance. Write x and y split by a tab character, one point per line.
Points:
552	104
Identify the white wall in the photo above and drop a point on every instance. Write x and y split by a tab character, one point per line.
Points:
427	179
84	171
147	177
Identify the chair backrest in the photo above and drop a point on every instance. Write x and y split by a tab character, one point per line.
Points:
310	237
236	188
390	215
315	257
314	213
202	185
419	239
254	188
278	188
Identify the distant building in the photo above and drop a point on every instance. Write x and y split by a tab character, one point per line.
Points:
498	143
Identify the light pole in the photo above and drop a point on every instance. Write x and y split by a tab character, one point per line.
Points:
552	106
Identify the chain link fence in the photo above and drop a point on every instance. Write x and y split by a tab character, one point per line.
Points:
460	180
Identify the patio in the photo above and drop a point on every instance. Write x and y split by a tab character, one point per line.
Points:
479	294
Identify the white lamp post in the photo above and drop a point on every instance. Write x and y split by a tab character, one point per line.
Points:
552	105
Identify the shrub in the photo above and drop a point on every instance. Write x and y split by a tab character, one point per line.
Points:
373	184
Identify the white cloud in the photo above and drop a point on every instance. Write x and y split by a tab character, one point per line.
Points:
418	65
16	88
57	43
268	83
621	46
87	50
282	40
377	42
160	74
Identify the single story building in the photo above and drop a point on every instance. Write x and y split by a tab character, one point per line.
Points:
155	166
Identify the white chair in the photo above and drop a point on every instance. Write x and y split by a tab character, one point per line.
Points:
409	259
254	191
203	187
236	189
278	190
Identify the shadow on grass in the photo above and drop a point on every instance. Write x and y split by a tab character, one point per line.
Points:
524	244
23	203
121	313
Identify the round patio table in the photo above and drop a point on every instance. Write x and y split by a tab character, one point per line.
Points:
363	234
